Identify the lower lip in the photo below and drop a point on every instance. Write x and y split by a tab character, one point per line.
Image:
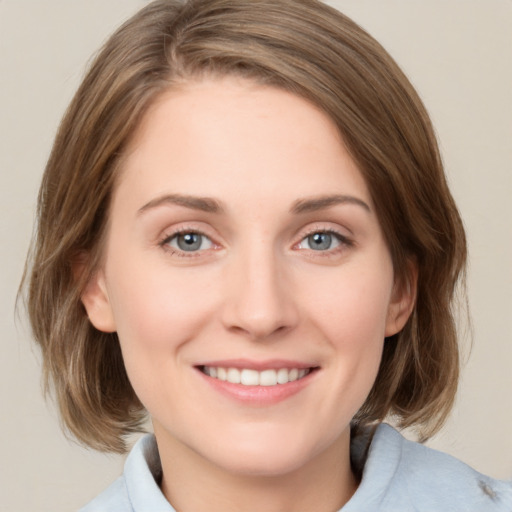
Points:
259	395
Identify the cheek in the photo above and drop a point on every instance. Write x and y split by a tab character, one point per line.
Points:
155	306
352	318
156	312
353	306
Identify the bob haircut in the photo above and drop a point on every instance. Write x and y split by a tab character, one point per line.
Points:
310	50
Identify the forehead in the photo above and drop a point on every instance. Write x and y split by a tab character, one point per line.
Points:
229	135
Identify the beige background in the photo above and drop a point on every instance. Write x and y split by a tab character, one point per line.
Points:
458	54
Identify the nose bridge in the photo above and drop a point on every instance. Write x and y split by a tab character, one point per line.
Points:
259	301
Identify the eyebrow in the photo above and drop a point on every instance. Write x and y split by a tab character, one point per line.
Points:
210	205
204	204
314	204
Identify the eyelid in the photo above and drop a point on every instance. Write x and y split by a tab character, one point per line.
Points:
344	240
203	239
170	233
325	228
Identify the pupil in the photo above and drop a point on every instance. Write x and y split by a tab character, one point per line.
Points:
320	241
189	241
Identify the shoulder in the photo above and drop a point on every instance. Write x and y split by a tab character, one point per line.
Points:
407	476
137	490
441	479
113	498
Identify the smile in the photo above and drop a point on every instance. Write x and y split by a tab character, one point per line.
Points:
250	377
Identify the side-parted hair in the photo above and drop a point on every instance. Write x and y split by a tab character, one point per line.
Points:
304	47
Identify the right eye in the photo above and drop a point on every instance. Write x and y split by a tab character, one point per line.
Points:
189	241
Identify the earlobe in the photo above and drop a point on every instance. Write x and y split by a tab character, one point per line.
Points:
402	301
97	303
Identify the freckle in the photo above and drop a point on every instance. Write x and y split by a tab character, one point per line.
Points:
486	489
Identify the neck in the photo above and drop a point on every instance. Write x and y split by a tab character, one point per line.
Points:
191	483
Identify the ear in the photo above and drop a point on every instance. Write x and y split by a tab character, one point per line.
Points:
97	303
402	301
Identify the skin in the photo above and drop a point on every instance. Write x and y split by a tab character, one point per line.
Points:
255	289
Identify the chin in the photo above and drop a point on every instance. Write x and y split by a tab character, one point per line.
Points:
267	456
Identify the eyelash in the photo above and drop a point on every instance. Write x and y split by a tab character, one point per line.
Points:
164	243
344	242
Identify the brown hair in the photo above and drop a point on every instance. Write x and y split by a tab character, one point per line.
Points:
302	46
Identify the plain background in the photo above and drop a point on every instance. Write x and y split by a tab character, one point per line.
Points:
459	56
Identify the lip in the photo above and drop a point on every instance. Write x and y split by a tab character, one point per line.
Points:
270	364
258	395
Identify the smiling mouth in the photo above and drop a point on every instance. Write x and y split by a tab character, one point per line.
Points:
250	377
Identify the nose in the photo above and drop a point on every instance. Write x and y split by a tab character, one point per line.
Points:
259	300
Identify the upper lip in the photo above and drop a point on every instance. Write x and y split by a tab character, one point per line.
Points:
271	364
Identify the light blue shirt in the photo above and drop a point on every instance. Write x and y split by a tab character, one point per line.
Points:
398	476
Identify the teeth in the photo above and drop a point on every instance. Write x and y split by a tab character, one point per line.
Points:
283	376
249	377
233	375
268	378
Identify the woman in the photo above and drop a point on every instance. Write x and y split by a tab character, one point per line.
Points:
245	230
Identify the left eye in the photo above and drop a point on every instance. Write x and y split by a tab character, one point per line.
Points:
189	242
320	241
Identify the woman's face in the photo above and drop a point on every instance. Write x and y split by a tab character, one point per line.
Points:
244	246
